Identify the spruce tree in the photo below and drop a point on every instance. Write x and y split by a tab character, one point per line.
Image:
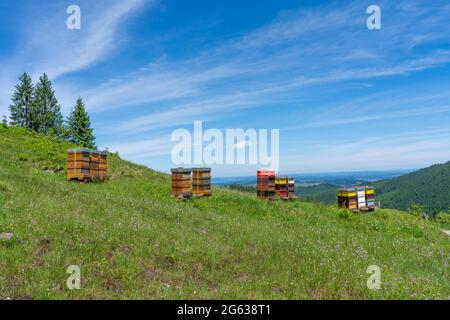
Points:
79	126
22	102
5	122
46	111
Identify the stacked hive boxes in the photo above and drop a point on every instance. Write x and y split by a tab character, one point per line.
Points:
357	198
291	188
347	199
181	183
285	187
282	187
265	184
201	181
370	194
361	198
86	164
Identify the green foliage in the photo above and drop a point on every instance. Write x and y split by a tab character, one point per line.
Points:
416	210
38	109
4	188
5	122
79	129
429	188
324	193
443	218
45	110
242	188
23	157
345	214
22	102
132	240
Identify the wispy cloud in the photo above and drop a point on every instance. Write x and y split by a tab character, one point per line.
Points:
48	46
407	150
285	64
59	51
143	149
300	49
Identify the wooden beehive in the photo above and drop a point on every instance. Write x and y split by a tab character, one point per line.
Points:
347	198
285	188
282	187
357	198
87	165
201	182
265	184
370	197
181	183
291	188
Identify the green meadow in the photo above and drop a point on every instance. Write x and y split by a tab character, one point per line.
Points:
132	240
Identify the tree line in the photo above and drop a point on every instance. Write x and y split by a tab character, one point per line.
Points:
36	108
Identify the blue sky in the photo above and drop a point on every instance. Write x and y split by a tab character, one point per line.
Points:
344	97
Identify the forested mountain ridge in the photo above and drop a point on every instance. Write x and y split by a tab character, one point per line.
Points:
428	187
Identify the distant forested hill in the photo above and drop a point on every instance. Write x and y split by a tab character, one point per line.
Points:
429	187
325	193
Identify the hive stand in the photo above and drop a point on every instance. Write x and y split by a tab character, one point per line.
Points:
201	182
357	199
84	165
181	183
265	184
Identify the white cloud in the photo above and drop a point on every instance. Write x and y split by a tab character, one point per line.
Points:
48	46
275	65
142	149
74	50
311	48
242	145
407	150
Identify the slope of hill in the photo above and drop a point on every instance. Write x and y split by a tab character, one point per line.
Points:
325	193
429	187
131	240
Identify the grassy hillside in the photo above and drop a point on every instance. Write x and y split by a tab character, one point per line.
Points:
325	193
132	240
429	187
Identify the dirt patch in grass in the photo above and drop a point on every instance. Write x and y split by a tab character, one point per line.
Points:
166	262
114	284
4	188
153	274
42	250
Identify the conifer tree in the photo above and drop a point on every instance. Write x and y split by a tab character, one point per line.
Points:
46	111
5	122
22	102
79	126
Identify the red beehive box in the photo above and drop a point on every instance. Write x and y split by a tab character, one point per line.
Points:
265	184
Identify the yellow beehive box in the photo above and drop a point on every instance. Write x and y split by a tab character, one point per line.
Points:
281	181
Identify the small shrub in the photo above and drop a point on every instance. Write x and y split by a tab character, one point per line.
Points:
5	122
443	218
374	226
23	157
415	210
381	214
345	214
4	188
